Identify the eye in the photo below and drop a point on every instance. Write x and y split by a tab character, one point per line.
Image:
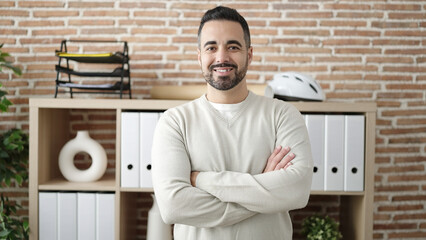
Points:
234	48
210	49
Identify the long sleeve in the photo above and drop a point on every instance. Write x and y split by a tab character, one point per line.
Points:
276	191
178	201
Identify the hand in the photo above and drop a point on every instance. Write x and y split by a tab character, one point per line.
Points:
194	178
279	159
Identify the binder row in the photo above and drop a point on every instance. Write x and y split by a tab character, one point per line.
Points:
137	132
337	143
71	216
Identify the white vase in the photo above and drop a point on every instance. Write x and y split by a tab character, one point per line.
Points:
157	229
82	143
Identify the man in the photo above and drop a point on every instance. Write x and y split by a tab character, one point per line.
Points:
220	166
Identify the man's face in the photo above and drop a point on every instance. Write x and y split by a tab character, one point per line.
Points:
223	54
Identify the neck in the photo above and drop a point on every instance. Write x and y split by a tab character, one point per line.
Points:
231	96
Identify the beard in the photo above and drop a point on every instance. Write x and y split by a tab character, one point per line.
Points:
224	83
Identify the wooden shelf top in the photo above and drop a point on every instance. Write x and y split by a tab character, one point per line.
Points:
106	183
159	104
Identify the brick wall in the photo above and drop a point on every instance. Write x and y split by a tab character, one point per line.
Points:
364	50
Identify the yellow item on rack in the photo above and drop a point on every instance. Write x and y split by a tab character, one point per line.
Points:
64	54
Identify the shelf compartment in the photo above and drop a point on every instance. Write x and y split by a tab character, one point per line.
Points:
106	183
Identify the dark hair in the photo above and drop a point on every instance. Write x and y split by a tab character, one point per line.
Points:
225	13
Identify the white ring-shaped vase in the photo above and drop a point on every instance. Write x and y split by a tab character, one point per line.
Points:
82	143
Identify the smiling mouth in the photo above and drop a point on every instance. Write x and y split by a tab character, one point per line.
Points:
223	70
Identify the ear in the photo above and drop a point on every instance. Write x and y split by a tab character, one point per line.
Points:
199	56
250	54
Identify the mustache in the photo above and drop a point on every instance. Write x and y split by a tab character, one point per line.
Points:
222	65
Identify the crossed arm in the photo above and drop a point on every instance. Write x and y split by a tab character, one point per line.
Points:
279	159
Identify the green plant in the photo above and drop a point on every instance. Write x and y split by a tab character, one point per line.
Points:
11	228
13	157
320	228
13	166
4	102
6	64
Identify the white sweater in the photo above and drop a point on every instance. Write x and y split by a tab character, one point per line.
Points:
233	198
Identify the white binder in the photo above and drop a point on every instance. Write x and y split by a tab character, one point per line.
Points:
148	122
334	152
130	149
48	216
315	125
86	216
105	216
67	216
354	153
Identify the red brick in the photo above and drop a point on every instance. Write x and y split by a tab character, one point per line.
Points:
410	159
407	178
293	23
90	22
15	13
242	6
7	4
136	22
355	68
40	4
407	33
13	32
142	5
157	14
105	13
56	13
407	16
192	6
293	6
414	69
390	59
314	15
82	5
396	149
387	78
357	50
402	131
395	226
397	42
348	95
401	169
307	50
6	22
358	15
396	188
348	86
346	42
336	23
360	33
406	235
397	7
338	59
394	25
339	77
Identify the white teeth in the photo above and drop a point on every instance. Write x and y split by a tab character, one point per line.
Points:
223	70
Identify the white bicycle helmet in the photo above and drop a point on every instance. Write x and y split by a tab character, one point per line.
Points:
293	86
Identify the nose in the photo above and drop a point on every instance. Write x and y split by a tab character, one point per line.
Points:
222	55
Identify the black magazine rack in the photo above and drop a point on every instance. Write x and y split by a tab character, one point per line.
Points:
121	74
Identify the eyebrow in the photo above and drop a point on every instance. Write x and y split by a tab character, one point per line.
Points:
229	42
